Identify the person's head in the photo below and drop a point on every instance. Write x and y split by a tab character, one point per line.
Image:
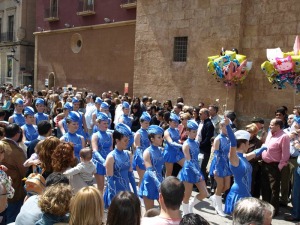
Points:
45	152
56	199
290	119
252	129
179	100
213	110
125	108
73	121
231	115
171	193
196	113
75	103
184	117
145	99
177	108
40	105
296	110
191	129
152	212
155	135
160	115
193	219
63	157
13	131
29	115
122	136
19	105
57	178
252	211
242	138
259	122
124	209
145	120
204	114
87	207
44	128
102	121
173	120
86	154
201	105
276	124
104	107
168	105
280	113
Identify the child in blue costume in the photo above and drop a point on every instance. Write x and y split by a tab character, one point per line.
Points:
98	102
125	118
118	165
40	107
30	132
71	136
18	117
102	145
62	124
154	162
172	151
191	172
141	142
239	165
82	128
220	168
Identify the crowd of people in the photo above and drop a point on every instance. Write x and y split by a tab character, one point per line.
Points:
66	157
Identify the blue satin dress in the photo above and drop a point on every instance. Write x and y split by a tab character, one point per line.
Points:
153	176
220	162
191	171
127	120
138	155
104	146
40	117
18	119
120	176
171	153
241	187
31	133
76	140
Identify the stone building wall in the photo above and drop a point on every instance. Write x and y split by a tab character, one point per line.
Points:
251	26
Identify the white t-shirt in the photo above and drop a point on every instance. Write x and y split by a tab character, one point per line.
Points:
157	220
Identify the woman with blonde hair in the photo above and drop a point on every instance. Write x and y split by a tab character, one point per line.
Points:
87	207
54	204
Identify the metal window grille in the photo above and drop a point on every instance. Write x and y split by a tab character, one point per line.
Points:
180	49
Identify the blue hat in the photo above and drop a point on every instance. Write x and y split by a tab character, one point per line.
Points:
28	111
125	105
104	105
102	116
154	129
297	119
123	129
192	124
98	100
75	100
145	116
174	117
19	101
73	116
68	106
39	101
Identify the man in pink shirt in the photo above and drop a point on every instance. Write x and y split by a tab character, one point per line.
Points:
274	159
170	198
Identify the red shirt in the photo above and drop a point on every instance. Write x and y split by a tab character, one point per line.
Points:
278	145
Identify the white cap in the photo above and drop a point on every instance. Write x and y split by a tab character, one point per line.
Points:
242	134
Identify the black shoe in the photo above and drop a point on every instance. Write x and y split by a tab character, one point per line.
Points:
290	218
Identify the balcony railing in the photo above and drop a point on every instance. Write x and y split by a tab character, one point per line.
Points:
51	14
86	8
8	37
128	4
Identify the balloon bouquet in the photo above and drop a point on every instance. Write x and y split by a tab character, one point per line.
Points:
283	67
229	66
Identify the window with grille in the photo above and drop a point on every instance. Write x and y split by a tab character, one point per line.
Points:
180	49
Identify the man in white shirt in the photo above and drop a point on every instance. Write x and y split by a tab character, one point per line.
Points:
215	118
170	198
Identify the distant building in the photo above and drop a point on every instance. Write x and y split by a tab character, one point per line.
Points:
86	43
17	24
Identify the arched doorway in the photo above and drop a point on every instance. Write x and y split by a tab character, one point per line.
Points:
51	80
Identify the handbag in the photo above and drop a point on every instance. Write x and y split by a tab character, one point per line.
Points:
35	183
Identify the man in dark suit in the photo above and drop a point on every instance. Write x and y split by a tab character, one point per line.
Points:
14	158
204	135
